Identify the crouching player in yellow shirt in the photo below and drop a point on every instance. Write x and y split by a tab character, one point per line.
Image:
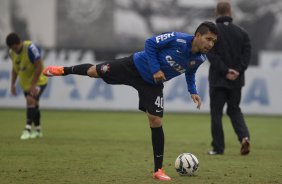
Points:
27	68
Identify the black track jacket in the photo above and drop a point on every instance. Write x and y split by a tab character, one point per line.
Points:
232	50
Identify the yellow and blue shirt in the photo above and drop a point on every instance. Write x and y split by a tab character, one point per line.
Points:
23	65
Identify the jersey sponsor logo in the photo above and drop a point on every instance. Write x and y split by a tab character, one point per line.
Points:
181	40
174	65
163	37
192	63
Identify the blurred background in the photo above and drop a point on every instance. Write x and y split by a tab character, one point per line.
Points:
71	32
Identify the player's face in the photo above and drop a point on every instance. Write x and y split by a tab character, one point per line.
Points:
206	41
17	48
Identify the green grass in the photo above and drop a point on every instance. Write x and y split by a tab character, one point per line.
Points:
115	147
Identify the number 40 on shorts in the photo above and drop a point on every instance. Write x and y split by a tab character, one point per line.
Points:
159	102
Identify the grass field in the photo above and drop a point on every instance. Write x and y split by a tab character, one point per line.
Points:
115	147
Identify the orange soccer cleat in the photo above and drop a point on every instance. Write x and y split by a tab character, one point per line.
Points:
50	71
160	175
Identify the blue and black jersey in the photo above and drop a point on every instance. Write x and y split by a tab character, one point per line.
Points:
171	53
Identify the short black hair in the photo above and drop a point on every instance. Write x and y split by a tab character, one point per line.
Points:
12	39
206	27
223	8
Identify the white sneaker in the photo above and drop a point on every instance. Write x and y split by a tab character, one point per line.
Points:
211	152
36	134
25	135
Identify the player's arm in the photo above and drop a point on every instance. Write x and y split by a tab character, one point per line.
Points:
246	54
152	46
215	60
14	78
38	69
13	81
191	84
35	57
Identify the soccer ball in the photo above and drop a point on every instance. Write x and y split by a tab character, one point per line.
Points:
186	164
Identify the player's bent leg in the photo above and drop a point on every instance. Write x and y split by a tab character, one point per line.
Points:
30	112
31	101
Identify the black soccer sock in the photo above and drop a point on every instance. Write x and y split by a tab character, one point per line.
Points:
77	69
158	146
30	114
37	118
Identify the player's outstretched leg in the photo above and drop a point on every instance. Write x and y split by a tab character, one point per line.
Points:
81	69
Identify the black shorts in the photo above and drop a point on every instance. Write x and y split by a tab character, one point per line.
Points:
40	91
123	71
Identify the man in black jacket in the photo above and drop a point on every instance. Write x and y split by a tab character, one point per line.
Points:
228	61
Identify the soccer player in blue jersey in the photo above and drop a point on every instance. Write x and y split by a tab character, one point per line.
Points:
165	57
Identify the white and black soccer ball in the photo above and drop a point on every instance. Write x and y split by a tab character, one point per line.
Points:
186	164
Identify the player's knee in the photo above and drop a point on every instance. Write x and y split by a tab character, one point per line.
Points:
232	111
92	72
154	121
30	101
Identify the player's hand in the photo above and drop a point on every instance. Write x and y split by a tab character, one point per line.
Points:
13	90
159	76
232	74
197	99
34	90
